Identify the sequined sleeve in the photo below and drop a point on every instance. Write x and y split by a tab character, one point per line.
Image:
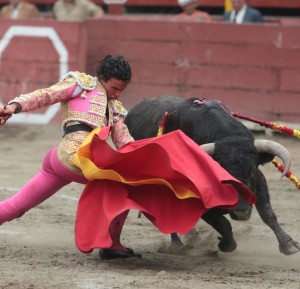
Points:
120	134
119	111
61	91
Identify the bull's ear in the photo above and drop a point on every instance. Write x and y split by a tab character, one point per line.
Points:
264	158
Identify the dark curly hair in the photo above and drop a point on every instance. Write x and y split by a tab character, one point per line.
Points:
114	67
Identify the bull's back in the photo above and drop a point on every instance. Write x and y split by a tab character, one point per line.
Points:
144	118
206	122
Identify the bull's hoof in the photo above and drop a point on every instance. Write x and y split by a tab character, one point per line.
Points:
108	254
227	245
291	247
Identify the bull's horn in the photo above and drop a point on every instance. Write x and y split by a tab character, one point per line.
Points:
268	146
209	148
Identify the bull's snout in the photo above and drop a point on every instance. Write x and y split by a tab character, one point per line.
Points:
241	214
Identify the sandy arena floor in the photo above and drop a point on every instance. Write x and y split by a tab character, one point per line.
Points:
38	250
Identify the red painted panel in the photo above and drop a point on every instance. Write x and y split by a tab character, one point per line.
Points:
158	28
27	48
232	77
157	74
137	92
155	52
240	55
289	39
25	72
290	80
287	106
32	62
102	30
142	51
223	32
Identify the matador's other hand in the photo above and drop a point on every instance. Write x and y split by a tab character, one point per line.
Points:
4	118
6	112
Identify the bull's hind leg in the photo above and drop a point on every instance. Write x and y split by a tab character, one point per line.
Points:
287	245
221	224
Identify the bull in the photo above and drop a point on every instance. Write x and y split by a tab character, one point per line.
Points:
230	143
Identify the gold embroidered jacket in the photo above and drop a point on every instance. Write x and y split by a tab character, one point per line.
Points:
83	100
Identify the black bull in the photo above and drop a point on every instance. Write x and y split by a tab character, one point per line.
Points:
231	144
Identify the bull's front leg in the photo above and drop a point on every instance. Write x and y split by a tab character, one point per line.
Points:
216	219
287	245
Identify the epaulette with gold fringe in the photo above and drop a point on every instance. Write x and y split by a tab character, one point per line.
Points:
118	108
87	82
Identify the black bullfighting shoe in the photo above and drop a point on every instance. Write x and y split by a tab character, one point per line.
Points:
107	254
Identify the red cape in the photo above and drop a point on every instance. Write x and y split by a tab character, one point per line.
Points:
170	178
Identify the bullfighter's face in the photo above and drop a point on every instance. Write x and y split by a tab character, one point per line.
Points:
113	88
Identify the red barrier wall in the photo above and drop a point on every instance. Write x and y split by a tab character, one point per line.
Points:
36	54
253	69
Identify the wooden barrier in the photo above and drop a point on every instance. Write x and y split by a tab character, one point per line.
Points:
253	69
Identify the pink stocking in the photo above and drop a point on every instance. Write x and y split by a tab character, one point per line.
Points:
115	229
51	178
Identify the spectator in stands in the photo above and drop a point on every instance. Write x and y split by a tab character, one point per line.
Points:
190	11
76	10
19	9
242	13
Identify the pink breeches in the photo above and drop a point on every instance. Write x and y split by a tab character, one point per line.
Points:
51	178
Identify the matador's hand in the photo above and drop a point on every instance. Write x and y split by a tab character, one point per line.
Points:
3	119
6	112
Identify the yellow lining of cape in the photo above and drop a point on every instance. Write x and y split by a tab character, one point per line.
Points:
83	161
